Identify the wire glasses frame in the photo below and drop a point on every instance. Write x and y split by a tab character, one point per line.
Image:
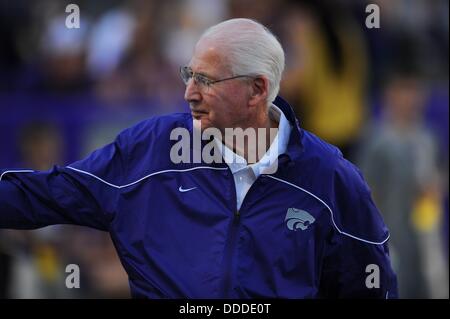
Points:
203	81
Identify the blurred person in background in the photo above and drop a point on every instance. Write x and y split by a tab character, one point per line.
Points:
38	258
35	265
326	71
399	159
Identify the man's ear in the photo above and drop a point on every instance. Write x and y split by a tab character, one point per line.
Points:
259	90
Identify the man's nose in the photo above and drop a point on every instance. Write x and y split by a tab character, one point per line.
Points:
192	92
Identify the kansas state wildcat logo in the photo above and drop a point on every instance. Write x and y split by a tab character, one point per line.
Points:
297	218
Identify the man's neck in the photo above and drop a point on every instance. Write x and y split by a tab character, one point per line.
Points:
252	149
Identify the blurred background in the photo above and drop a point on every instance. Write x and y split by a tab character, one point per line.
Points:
380	94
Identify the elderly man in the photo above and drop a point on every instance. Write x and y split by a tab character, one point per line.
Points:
297	221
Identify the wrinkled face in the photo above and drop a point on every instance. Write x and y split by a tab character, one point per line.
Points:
224	104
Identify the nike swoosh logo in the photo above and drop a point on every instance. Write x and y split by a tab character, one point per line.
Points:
184	190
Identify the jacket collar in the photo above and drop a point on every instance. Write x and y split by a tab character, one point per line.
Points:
294	147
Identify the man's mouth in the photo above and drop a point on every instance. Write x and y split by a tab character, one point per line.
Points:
198	113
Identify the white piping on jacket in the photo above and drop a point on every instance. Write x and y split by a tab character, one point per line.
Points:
16	171
147	176
331	213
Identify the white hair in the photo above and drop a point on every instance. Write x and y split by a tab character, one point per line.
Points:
251	50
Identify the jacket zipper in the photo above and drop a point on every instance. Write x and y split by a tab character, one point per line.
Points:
227	287
229	256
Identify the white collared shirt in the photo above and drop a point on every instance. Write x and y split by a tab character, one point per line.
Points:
245	175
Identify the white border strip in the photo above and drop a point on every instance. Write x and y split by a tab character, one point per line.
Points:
331	212
16	171
145	177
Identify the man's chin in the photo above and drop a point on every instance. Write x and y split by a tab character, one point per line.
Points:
201	121
205	123
203	118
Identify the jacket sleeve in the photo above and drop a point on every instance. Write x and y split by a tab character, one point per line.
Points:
83	193
356	262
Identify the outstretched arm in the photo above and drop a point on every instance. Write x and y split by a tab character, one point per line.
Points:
64	195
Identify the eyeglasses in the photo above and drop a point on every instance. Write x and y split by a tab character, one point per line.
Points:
201	80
